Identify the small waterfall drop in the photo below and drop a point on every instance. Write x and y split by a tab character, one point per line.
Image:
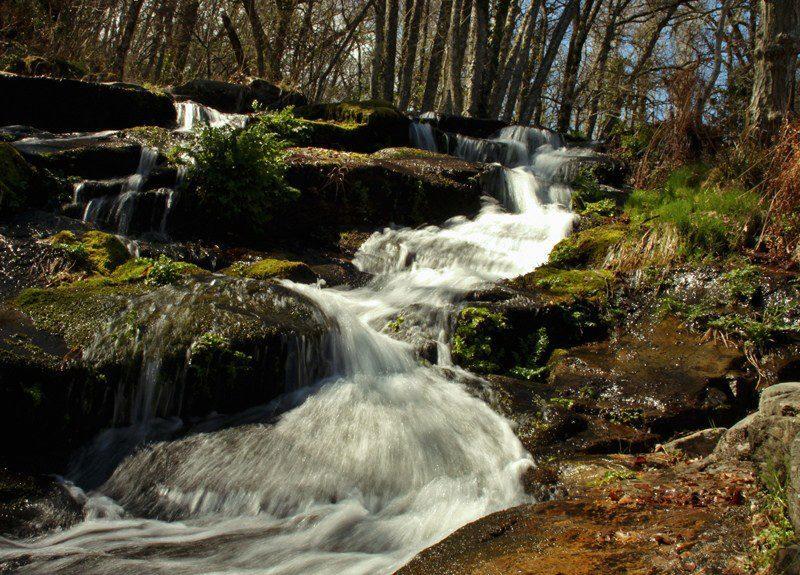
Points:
192	115
421	134
381	458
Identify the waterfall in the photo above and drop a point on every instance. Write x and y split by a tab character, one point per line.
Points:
421	134
382	457
192	115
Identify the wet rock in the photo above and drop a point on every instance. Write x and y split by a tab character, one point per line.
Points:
472	127
21	184
237	98
356	126
96	161
698	444
31	505
273	269
75	106
653	518
88	355
340	191
661	378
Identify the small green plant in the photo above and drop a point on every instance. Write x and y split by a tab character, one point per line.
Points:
165	271
286	125
239	178
616	475
396	323
741	283
774	506
475	344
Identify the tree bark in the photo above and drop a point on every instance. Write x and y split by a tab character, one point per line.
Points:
508	86
479	37
131	19
436	70
777	43
378	51
410	54
283	24
236	43
187	20
390	53
459	25
259	41
584	20
498	35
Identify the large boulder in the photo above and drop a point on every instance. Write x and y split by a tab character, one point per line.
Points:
75	106
121	348
345	191
465	126
237	98
357	126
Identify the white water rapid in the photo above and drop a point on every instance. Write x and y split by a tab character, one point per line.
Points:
371	465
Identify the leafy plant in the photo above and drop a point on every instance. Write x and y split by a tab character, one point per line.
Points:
239	177
286	125
165	271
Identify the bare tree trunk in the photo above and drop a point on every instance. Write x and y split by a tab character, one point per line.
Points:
584	21
777	44
535	92
436	71
378	51
508	86
283	23
459	25
410	54
479	37
121	54
493	56
390	54
236	43
187	20
259	40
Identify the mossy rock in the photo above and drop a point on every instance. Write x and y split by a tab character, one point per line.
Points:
358	112
270	268
359	126
98	251
559	284
587	248
21	184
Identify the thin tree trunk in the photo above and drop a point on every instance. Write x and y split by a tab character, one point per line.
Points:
510	86
436	71
131	19
459	24
259	40
535	92
390	53
584	21
493	56
378	51
480	32
412	40
283	23
708	87
187	20
236	43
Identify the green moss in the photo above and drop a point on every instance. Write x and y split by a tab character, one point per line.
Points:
476	341
79	310
132	271
359	112
164	271
100	252
587	248
270	268
156	137
560	284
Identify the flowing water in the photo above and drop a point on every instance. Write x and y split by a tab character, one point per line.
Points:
368	466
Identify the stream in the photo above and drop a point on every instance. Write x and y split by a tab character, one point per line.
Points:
369	466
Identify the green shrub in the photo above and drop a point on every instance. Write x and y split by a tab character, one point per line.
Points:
239	178
286	126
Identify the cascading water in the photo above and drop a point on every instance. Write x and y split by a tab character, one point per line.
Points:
191	115
370	465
